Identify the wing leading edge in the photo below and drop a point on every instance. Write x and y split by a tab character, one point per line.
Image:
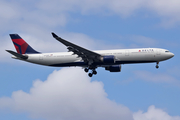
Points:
85	54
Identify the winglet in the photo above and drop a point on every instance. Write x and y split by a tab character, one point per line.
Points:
54	35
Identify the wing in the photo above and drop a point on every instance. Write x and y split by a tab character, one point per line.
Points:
85	54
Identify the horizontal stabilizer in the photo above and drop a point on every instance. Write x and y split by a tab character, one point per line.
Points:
24	57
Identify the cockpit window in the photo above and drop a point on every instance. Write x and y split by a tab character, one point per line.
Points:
166	51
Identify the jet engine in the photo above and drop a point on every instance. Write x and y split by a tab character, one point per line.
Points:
114	68
108	59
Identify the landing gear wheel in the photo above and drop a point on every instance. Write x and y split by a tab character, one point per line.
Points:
157	66
90	74
86	69
94	72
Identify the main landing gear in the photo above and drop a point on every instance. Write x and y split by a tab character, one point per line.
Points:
94	72
86	69
157	65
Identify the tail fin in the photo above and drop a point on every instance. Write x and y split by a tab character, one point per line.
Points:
21	46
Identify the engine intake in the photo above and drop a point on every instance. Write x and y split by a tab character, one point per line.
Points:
114	68
108	59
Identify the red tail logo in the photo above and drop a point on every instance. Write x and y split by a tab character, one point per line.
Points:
21	46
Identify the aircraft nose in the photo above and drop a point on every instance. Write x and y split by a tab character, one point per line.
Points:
172	55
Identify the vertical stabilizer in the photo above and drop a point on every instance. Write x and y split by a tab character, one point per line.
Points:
21	46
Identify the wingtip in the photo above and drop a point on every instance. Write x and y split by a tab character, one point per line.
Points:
54	35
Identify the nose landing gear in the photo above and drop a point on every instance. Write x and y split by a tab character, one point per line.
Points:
157	65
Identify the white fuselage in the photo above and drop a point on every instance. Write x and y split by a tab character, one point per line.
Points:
122	56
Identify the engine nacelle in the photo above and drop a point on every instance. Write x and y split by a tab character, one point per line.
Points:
108	59
114	68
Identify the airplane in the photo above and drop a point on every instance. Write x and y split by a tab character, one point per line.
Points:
111	60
